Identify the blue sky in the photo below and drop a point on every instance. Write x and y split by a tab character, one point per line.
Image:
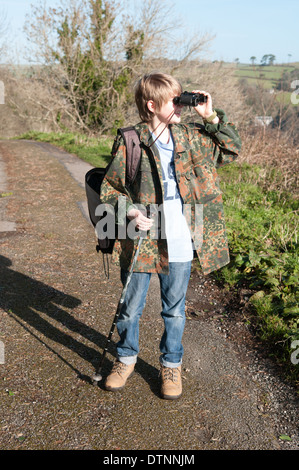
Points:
242	29
247	28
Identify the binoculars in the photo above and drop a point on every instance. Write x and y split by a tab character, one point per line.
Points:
190	99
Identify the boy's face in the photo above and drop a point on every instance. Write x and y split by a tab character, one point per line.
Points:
168	113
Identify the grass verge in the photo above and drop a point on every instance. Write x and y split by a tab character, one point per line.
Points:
262	228
92	150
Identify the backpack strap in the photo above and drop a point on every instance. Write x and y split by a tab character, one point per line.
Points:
132	142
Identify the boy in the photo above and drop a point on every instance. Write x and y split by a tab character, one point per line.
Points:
177	170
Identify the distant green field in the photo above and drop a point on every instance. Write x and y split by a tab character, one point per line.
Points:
269	75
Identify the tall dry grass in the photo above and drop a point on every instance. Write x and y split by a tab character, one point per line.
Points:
272	152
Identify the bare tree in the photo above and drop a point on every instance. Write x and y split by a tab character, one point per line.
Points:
71	42
92	51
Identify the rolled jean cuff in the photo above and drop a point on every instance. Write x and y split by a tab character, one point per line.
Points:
172	365
128	360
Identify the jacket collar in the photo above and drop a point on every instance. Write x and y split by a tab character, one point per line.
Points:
144	133
181	143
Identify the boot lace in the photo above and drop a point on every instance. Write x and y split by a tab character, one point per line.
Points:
119	367
170	374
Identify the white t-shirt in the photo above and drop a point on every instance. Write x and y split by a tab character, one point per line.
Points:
177	232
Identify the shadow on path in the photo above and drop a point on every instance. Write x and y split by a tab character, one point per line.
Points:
28	301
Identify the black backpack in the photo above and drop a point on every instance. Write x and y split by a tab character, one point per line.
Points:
95	176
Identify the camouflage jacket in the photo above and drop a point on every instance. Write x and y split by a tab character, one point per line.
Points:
198	151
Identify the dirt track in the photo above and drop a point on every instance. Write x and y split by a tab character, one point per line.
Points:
56	310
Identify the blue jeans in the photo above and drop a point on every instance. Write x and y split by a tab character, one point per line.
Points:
173	292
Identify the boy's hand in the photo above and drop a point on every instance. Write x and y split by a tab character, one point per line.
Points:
141	222
205	110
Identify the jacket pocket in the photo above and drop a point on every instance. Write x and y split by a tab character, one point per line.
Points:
146	185
203	182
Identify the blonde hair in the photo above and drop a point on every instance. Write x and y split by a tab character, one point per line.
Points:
155	86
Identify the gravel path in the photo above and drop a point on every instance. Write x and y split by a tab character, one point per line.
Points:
56	310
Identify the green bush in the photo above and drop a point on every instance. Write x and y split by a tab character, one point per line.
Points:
262	232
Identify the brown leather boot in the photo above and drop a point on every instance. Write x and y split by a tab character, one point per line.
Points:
171	388
117	378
